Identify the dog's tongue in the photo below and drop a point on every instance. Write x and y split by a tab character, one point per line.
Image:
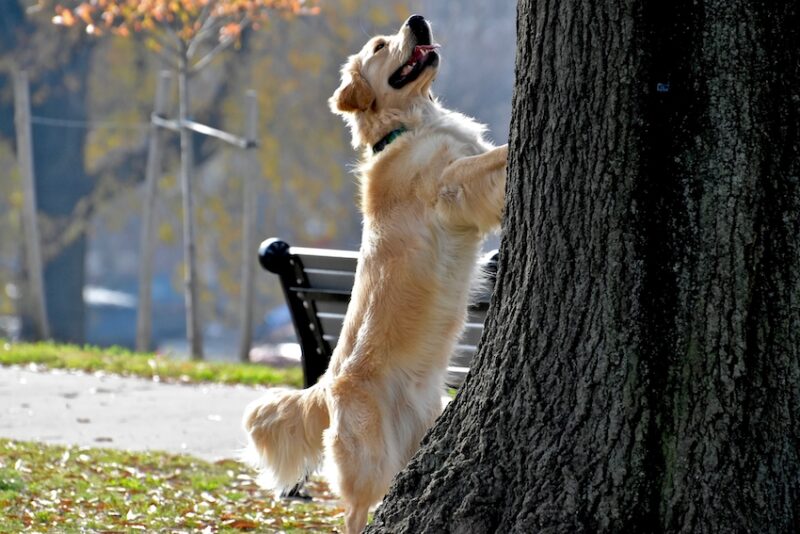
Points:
421	50
418	53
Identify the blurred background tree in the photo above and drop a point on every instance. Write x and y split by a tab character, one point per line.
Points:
306	194
59	68
187	36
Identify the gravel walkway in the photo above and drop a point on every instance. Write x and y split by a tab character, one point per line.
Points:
126	413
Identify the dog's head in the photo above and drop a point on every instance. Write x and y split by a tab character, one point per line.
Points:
390	72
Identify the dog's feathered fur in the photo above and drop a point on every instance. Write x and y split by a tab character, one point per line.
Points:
428	199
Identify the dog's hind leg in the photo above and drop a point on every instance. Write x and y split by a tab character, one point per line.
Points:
356	475
359	468
472	190
355	518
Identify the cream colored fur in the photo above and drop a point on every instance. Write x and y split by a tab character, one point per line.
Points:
285	429
427	200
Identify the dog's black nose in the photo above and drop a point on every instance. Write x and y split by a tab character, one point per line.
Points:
414	20
420	28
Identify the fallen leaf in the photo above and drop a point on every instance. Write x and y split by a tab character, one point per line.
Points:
241	524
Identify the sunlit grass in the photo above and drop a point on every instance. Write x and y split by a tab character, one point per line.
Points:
122	361
48	488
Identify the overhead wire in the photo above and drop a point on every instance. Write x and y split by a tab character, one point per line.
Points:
71	123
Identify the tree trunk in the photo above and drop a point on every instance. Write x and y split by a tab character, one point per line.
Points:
640	370
193	333
58	88
61	183
30	213
147	238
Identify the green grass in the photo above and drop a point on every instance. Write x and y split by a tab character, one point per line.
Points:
121	361
45	488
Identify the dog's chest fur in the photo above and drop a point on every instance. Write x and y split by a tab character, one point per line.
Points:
412	283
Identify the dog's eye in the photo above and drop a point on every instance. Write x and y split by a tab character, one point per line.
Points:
378	47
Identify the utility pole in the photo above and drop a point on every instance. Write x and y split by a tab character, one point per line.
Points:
249	221
144	312
22	123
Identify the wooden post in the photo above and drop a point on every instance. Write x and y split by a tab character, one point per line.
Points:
22	122
193	333
144	311
249	221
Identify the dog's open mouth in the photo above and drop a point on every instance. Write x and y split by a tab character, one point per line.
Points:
422	57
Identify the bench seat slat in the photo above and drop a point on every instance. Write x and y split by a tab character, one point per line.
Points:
477	316
332	325
463	357
462	353
331	306
472	334
477	311
456	376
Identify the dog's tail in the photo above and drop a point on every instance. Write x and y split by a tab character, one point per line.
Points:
284	429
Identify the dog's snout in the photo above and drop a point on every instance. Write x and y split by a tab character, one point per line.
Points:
415	20
420	29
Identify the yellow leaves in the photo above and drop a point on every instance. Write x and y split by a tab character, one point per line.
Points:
118	491
401	11
166	233
64	17
239	523
305	61
15	199
84	12
107	17
162	14
185	18
232	30
151	43
379	17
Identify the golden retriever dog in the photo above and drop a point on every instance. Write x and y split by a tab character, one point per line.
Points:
431	188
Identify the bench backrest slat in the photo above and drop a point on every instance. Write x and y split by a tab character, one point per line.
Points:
317	285
332	307
326	279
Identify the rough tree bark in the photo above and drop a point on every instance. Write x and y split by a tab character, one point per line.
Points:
640	369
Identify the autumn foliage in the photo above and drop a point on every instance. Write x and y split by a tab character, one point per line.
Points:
185	19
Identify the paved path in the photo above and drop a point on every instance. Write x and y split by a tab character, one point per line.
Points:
125	413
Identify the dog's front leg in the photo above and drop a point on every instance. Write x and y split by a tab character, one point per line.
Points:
472	190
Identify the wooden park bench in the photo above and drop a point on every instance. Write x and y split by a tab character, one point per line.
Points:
317	285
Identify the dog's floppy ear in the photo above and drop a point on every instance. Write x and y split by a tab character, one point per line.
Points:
355	94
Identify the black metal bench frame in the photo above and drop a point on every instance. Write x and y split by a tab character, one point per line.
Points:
303	296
